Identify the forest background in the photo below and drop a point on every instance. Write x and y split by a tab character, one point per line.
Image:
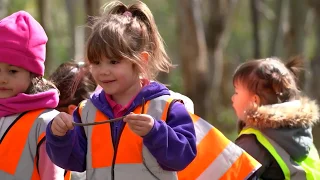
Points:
206	39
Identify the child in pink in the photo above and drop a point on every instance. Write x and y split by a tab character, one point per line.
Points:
26	100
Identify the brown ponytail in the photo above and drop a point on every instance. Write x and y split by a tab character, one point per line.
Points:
295	65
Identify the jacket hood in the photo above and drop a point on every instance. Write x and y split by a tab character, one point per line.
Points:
293	114
289	124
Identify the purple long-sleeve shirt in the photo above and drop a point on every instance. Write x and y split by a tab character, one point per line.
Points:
172	143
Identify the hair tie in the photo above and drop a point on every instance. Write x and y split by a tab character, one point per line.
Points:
127	13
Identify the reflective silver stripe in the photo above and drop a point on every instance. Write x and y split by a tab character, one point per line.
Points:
222	163
296	171
126	171
6	176
88	115
188	103
26	162
156	108
202	128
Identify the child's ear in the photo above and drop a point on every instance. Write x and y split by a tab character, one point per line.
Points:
256	99
71	108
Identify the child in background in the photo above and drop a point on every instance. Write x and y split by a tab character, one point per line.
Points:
154	136
75	84
275	119
27	101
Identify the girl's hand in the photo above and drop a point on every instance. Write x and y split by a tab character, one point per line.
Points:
141	124
61	124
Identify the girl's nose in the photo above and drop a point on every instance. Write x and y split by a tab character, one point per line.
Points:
105	71
3	79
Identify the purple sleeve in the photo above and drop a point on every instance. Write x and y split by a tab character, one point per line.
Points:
69	151
173	144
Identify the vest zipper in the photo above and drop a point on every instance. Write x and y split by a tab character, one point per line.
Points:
116	140
115	143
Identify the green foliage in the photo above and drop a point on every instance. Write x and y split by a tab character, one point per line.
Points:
16	5
176	81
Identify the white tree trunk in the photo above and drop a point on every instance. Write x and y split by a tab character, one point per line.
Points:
193	53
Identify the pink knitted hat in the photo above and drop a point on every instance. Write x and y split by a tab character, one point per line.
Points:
23	42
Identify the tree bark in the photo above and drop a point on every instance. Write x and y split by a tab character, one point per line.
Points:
45	20
315	67
255	28
276	28
315	86
295	37
296	32
220	12
92	9
193	53
71	17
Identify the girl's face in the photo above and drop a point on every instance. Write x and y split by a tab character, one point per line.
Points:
242	99
117	77
13	80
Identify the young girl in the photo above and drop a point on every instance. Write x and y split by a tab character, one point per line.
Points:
75	84
275	119
156	138
26	101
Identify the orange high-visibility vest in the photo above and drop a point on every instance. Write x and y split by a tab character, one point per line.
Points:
19	146
217	157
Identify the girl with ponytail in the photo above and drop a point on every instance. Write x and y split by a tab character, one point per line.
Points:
144	140
275	119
